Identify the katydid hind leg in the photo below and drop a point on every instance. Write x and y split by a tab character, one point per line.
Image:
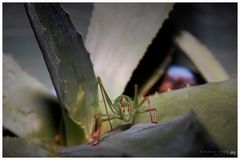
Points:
105	105
97	128
95	136
105	99
104	94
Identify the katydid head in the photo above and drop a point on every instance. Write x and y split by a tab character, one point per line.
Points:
124	105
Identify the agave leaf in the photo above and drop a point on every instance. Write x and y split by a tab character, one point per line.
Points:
215	104
118	37
201	56
19	147
183	136
67	60
29	110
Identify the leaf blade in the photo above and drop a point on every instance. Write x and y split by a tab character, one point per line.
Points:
151	140
215	105
34	114
201	56
67	60
118	37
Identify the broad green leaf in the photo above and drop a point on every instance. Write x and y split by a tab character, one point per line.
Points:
201	56
68	62
19	147
118	37
183	136
29	110
215	104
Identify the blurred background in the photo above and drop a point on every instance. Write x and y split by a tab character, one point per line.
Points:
213	24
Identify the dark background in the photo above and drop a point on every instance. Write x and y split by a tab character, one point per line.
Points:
214	24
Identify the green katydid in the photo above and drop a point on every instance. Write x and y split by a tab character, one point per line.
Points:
123	108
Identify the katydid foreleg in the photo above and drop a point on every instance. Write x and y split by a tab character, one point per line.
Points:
153	120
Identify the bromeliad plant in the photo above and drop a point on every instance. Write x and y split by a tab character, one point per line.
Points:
115	48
